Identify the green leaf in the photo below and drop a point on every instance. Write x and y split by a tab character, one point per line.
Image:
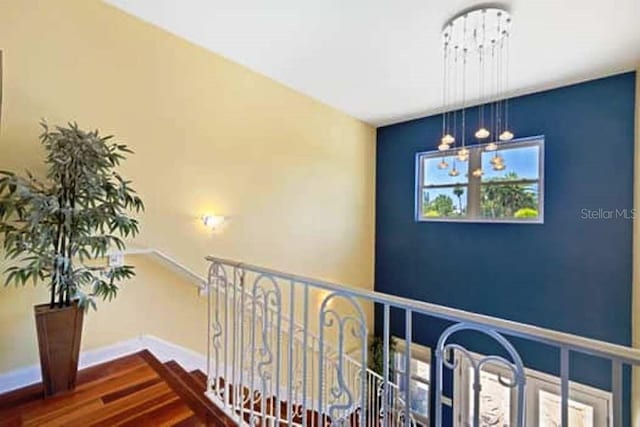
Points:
80	208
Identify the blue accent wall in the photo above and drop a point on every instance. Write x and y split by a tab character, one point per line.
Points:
569	274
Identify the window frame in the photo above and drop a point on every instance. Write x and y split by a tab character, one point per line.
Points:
421	354
474	184
536	381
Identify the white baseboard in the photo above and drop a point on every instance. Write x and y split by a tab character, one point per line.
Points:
163	350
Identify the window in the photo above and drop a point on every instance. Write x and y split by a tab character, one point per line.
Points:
580	414
588	406
420	379
510	188
495	400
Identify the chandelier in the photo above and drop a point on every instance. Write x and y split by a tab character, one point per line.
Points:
476	39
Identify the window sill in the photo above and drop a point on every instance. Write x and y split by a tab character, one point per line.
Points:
483	221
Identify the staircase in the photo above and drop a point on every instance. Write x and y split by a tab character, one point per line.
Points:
135	390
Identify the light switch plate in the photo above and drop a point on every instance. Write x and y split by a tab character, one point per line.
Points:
116	259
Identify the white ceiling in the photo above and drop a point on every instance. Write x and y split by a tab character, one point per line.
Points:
380	60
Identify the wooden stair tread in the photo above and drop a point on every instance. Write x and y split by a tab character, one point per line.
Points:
197	384
201	378
169	413
189	422
134	390
313	419
181	382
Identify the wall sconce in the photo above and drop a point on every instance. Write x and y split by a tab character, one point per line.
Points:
212	221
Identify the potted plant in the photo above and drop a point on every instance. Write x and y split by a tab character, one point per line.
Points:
376	354
376	364
56	229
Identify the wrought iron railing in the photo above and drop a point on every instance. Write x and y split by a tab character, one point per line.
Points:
289	350
322	373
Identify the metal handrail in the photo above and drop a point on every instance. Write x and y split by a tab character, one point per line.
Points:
547	336
175	265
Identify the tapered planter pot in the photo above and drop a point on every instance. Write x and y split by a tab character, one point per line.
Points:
59	333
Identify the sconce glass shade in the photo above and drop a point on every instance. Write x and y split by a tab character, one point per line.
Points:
482	133
477	173
212	221
506	136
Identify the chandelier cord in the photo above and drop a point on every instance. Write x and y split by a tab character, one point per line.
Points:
493	87
485	32
444	89
464	84
481	71
455	95
497	76
450	99
506	89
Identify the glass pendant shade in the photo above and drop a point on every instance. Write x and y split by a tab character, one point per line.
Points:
448	139
499	166
492	146
443	147
463	154
497	159
482	133
443	164
506	136
454	172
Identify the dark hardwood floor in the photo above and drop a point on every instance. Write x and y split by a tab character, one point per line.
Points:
135	390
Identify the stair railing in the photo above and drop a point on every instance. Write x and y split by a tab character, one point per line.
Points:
267	367
233	390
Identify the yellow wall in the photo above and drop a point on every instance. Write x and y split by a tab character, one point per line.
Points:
295	176
157	302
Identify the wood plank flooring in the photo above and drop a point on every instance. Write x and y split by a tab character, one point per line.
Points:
135	390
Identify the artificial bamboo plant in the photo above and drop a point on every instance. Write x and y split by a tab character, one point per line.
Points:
55	227
376	354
